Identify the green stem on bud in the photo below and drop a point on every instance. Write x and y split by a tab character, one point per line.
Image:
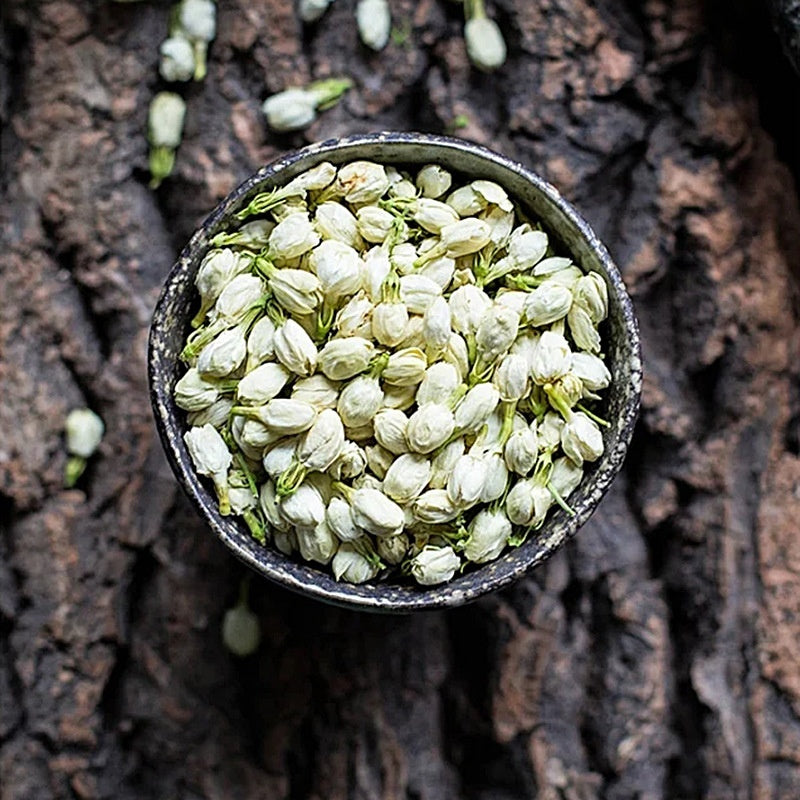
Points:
519	537
560	500
543	469
199	338
255	525
474	9
275	313
599	420
162	160
456	396
538	403
378	365
509	409
73	470
323	320
328	91
390	288
558	401
200	59
363	546
290	479
263	265
221	485
200	317
265	201
429	255
343	489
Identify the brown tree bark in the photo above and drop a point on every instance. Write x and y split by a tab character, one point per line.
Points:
655	658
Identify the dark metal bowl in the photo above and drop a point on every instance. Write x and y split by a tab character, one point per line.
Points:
170	326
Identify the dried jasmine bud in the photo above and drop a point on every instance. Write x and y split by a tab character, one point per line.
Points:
294	348
194	393
429	427
312	10
374	22
296	108
360	400
262	384
433	181
434	565
489	532
390	430
222	355
177	59
212	458
376	513
406	477
548	303
350	565
164	131
341	359
317	544
581	439
485	44
84	431
241	633
197	21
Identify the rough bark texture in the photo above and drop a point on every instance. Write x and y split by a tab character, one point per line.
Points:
656	657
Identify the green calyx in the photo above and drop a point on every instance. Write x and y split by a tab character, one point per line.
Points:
290	479
73	470
265	201
560	500
161	161
378	365
327	92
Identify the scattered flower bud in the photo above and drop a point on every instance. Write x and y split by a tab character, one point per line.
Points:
312	10
405	367
434	215
177	59
521	451
548	303
269	505
392	549
434	565
582	439
241	633
565	477
304	508
433	180
389	321
317	391
362	182
476	407
440	382
354	318
260	343
440	271
340	520
216	414
164	131
591	371
444	462
378	460
84	431
403	257
591	294
374	23
496	332
583	330
338	267
418	292
212	458
457	354
468	304
485	44
223	354
374	270
464	237
238	298
399	397
496	481
512	377
375	224
323	443
262	384
436	324
194	393
351	463
292	237
466	482
318	543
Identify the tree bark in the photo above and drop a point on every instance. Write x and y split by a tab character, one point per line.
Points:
655	657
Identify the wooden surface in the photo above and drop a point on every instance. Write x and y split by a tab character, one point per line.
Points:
656	658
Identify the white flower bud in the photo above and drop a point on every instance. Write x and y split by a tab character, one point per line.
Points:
434	507
429	427
198	19
241	633
374	23
582	439
290	110
362	182
262	384
340	520
547	303
222	355
392	549
496	332
84	430
405	367
376	513
403	257
466	201
565	477
241	294
165	120
468	304
304	508
317	391
488	535
312	180
354	317
390	430
193	393
361	433
323	443
521	451
418	292
260	342
378	460
338	267
334	221
374	224
294	348
312	10
440	271
521	503
242	499
583	330
552	358
434	565
436	324
476	407
285	540
374	270
254	235
466	482
433	180
399	397
457	354
360	401
512	299
285	417
501	224
293	236
412	336
496	478
389	321
318	543
591	371
256	436
525	249
549	266
444	462
216	414
177	59
350	566
525	345
591	294
440	382
341	359
216	271
406	477
268	502
464	237
352	461
511	377
297	291
211	457
433	215
549	431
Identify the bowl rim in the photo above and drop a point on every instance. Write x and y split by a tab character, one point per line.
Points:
310	580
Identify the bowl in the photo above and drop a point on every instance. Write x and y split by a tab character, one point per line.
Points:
170	325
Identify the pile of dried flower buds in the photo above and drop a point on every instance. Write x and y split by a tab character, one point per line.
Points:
390	374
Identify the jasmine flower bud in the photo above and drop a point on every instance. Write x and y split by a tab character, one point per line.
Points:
262	384
354	318
285	540
351	463
360	401
549	266
440	382
399	397
444	462
334	221
212	458
466	482
512	299
521	451
591	371
413	335
362	182
468	304
362	434
216	271
312	180
351	566
496	478
434	215
392	549
254	437
476	407
429	427
486	47
165	128
338	267
269	505
260	343
253	235
177	59
374	271
433	180
552	358
390	430
317	391
527	503
375	224
297	291
222	355
374	23
434	507
440	271
378	460
290	110
403	257
547	303
405	367
240	296
323	443
241	633
581	439
565	477
376	513
436	324
496	332
488	536
434	565
341	359
406	477
501	224
340	520
583	330
216	414
464	237
511	377
318	543
389	321
294	348
303	508
591	294
193	393
198	19
418	292
457	354
312	10
292	237
84	431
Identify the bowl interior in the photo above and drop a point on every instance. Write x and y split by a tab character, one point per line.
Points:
574	237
